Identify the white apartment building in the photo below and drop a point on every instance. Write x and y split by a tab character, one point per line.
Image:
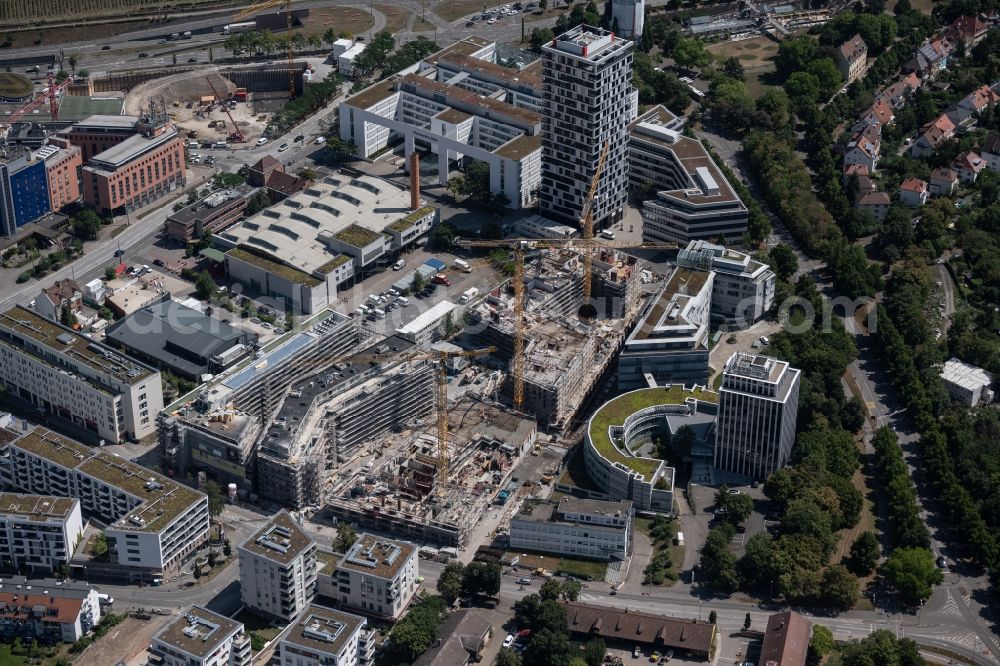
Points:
459	104
693	200
38	532
376	577
153	523
593	529
967	383
323	636
742	290
46	610
587	78
200	637
670	344
63	373
758	404
627	18
278	569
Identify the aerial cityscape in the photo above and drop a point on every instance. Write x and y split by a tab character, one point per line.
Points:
550	333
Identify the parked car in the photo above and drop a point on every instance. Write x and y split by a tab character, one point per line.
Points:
261	141
283	147
507	642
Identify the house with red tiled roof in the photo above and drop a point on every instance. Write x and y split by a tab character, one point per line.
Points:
862	151
46	611
967	30
932	135
877	202
943	182
968	165
786	640
878	116
852	57
980	99
913	192
990	152
930	58
855	170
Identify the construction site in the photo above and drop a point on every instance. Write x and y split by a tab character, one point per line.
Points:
397	485
565	354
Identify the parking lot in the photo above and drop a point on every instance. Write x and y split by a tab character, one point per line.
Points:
747	340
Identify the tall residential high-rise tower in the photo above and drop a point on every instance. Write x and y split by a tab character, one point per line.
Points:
758	404
627	17
587	86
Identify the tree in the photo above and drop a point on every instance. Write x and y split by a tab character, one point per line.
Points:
105	313
418	283
507	656
913	572
865	553
839	587
783	261
550	589
543	4
340	150
204	286
690	53
412	635
548	648
712	617
795	54
346	536
571	590
109	273
736	507
481	579
746	622
820	644
216	500
882	648
803	90
594	651
306	174
449	584
197	571
733	68
66	315
539	38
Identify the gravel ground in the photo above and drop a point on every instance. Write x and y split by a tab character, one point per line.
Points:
128	641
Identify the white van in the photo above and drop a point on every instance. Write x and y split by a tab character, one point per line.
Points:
403	301
462	265
379	314
399	265
607	233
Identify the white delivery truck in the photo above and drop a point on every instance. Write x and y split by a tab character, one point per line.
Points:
469	294
462	265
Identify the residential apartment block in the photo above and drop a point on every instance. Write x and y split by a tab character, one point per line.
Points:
693	200
209	215
966	383
278	569
591	529
377	577
64	373
587	83
742	289
46	610
323	636
852	56
627	17
199	637
670	343
62	171
24	195
758	405
153	523
460	105
337	229
38	533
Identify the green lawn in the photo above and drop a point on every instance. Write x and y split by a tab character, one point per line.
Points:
6	659
586	569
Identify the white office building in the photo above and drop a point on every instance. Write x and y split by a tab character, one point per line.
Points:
627	18
966	383
742	290
199	637
460	105
65	374
376	577
587	76
693	200
587	528
38	532
323	636
429	326
278	569
153	523
670	344
536	226
758	405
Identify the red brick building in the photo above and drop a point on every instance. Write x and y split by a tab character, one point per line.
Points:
62	169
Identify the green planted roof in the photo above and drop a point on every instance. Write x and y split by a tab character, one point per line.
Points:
614	412
272	266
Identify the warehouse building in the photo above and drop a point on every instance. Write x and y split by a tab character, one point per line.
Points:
153	523
187	342
83	382
38	533
334	231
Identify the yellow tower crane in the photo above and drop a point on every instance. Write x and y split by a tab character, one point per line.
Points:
271	4
441	404
518	246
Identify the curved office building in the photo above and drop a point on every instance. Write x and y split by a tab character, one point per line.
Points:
619	436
